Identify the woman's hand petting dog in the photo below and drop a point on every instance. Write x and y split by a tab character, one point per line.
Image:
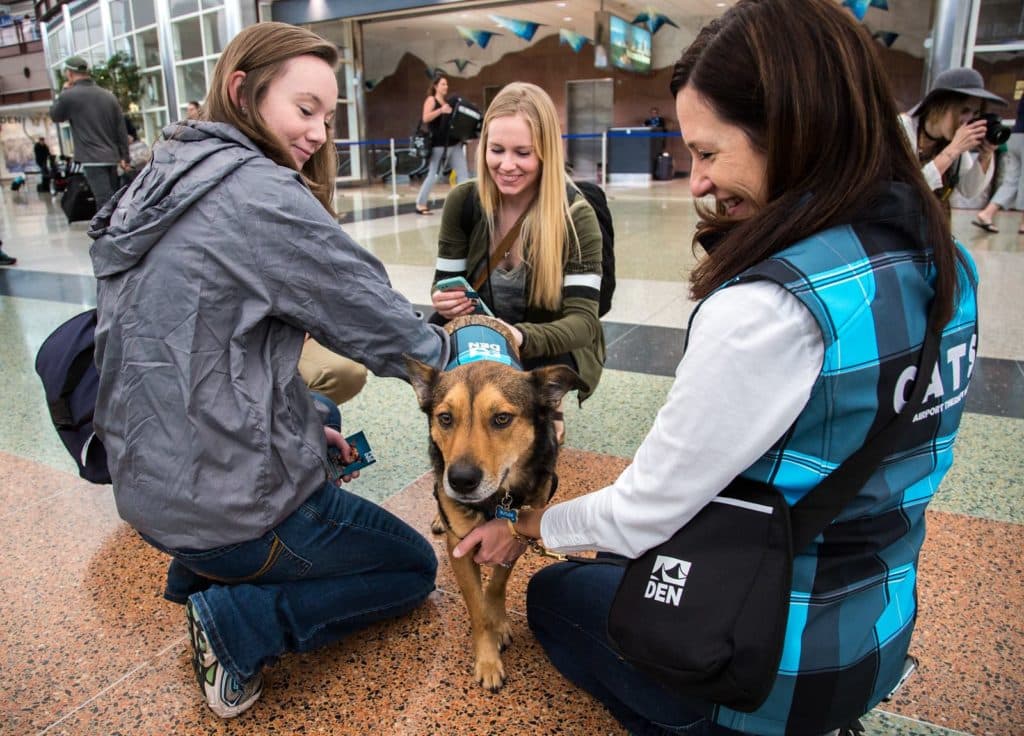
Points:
494	543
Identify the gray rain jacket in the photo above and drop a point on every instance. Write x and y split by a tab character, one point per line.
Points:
212	266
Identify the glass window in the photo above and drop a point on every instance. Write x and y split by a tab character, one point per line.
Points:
124	44
341	127
207	4
191	81
183	7
148	46
188	40
999	21
80	32
58	48
119	17
215	32
154	121
152	90
143	13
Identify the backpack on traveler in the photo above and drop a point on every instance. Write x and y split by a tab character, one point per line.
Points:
471	213
66	365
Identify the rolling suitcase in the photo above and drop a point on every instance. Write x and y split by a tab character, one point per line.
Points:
664	169
77	200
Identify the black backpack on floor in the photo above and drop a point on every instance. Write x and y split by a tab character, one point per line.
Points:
66	365
78	201
594	194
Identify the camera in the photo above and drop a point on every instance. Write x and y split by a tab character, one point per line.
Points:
995	132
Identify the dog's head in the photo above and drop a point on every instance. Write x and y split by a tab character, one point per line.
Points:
491	426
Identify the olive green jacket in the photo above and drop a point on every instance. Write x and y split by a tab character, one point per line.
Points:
574	327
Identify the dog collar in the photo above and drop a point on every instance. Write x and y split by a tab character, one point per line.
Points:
479	342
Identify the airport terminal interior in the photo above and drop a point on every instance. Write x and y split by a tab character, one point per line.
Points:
91	647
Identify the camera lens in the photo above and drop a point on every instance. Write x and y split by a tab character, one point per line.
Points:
995	132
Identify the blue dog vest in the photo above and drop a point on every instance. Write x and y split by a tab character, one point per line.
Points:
479	342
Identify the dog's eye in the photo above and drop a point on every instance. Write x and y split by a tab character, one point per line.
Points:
444	419
502	420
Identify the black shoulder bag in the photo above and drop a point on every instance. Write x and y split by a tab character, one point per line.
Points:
705	612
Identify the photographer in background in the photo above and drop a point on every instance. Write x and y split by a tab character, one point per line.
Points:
944	129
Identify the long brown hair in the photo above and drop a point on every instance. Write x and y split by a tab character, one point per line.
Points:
804	82
261	51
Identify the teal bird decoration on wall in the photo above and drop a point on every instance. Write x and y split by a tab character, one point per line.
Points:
887	38
460	64
860	7
522	28
474	35
575	40
654	20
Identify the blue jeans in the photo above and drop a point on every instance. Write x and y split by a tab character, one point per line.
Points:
334	566
567	607
456	159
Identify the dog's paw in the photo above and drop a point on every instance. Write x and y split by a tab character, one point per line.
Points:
503	634
490	674
437	525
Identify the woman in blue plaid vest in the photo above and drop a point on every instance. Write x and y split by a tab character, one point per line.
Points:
825	252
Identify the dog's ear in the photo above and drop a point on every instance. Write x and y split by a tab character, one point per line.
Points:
422	377
555	381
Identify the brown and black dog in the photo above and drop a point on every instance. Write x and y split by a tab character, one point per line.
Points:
492	442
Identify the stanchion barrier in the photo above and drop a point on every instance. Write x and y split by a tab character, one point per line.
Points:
392	144
394	172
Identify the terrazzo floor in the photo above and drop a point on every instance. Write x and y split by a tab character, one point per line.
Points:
90	646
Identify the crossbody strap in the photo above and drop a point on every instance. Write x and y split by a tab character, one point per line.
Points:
822	504
504	247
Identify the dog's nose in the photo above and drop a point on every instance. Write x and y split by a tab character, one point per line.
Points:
464	477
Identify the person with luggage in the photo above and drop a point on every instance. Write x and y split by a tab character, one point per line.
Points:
829	266
42	155
97	128
436	116
212	268
538	250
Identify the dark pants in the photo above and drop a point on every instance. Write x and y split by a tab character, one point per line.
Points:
567	607
103	182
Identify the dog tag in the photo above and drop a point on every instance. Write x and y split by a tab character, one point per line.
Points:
503	513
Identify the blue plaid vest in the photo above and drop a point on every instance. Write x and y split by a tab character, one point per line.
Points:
853	602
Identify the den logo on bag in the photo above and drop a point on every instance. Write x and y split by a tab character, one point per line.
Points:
668	578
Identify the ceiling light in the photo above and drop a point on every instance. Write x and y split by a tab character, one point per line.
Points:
567	18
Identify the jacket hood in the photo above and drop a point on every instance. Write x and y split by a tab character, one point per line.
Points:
193	158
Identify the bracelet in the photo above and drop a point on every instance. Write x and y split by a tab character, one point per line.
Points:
521	538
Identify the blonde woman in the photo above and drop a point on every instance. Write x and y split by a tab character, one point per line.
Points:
545	281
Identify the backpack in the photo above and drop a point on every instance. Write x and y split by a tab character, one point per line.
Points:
66	365
595	196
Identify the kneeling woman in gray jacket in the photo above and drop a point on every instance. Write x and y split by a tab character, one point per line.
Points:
212	267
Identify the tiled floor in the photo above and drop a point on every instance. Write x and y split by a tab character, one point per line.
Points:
90	647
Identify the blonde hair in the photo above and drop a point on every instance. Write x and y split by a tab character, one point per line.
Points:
261	51
547	228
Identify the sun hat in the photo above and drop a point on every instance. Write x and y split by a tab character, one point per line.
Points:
76	64
960	79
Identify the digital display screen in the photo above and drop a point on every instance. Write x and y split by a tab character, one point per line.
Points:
629	46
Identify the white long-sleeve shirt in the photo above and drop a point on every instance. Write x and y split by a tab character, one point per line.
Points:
973	179
753	355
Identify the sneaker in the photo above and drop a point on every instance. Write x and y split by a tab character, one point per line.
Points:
226	696
6	260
